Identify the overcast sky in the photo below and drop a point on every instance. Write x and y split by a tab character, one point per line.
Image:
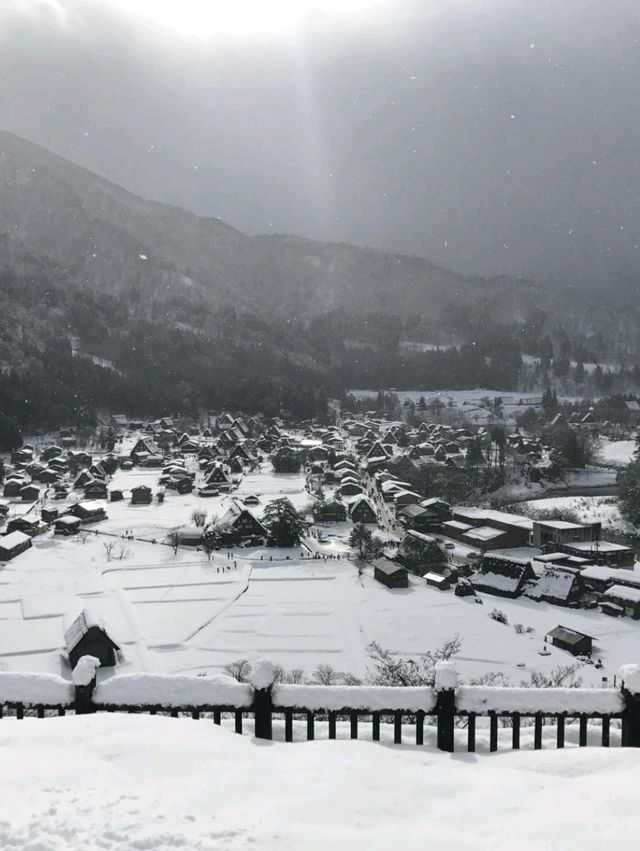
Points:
488	135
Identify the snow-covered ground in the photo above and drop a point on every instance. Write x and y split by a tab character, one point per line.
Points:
617	452
471	404
130	782
183	613
589	509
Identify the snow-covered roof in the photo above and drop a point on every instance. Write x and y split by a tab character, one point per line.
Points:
560	524
616	574
92	505
490	514
456	524
597	547
13	539
554	582
86	620
484	533
623	592
68	520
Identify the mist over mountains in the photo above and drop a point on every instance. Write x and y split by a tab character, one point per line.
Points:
494	137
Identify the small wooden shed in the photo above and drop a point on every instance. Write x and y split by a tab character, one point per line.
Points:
390	573
88	636
574	642
13	544
141	495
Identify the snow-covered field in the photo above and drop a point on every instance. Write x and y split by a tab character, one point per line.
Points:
181	613
130	782
469	403
589	509
184	614
617	452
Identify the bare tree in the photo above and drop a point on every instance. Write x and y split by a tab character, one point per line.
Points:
109	547
389	669
325	675
174	538
295	676
240	670
123	552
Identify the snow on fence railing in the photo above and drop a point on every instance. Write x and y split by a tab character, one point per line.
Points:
360	698
172	691
530	701
449	703
35	689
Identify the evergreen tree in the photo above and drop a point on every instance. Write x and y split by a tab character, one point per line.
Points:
282	523
360	541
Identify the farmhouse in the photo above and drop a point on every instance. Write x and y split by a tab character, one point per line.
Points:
29	493
96	490
67	525
12	487
87	636
13	544
362	511
29	525
390	573
141	495
239	523
88	512
558	585
49	514
625	597
574	642
503	576
219	478
329	512
419	518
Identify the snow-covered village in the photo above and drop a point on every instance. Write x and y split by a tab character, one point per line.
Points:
193	551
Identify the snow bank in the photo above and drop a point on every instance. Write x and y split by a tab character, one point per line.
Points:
46	689
172	690
122	782
530	700
354	697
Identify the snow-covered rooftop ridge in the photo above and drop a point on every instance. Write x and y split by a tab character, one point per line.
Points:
172	690
531	700
45	689
374	698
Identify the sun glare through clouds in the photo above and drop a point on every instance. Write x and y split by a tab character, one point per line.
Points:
241	17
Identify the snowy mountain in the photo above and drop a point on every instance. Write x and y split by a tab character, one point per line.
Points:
156	255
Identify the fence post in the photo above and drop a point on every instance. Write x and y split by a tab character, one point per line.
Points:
84	680
445	683
630	687
262	674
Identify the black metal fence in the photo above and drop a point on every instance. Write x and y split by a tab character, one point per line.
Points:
453	716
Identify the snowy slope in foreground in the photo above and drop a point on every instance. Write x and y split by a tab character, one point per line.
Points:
134	782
